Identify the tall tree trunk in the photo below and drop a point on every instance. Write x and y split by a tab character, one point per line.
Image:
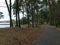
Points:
50	11
28	17
16	13
19	19
27	11
54	11
33	20
19	25
9	10
28	20
37	19
11	23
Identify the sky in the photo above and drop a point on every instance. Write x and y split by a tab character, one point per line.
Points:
3	9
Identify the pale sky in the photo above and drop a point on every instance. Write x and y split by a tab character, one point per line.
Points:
3	9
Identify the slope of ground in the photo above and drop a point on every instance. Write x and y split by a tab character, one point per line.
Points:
16	36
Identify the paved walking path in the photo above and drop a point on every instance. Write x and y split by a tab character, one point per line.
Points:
50	36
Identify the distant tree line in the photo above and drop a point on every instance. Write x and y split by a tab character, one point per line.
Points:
37	11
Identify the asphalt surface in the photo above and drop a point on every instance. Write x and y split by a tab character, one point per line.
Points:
50	36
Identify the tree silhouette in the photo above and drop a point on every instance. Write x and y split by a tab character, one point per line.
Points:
9	10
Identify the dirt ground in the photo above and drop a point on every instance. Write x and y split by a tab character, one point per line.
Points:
17	36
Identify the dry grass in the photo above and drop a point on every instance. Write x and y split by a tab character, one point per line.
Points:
33	36
14	36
